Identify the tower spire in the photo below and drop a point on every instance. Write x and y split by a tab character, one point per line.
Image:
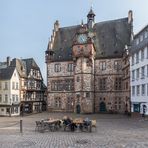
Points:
91	1
90	18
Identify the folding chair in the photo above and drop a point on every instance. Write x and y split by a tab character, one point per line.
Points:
38	125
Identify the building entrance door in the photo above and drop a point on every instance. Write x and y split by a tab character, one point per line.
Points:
102	107
78	109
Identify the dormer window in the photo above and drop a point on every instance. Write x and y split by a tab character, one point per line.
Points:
141	38
137	41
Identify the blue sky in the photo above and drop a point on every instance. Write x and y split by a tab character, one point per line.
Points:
26	25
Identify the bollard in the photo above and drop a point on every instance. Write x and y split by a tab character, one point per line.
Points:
42	126
21	126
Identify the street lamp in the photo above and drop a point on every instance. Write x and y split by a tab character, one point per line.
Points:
10	108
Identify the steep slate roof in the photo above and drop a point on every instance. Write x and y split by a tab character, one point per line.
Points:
6	73
24	66
134	47
63	43
30	64
110	40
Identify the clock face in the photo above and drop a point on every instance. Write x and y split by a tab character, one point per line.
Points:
82	38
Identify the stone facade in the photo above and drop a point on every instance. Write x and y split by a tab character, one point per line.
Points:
85	66
111	96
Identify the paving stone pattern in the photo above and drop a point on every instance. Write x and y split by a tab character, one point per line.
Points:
113	131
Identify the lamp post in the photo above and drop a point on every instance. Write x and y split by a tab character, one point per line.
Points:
126	110
10	107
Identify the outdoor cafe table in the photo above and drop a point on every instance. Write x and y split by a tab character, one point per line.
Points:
51	123
78	122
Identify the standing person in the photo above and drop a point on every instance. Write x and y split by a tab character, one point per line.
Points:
144	111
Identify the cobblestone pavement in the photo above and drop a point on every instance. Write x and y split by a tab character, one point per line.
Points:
113	131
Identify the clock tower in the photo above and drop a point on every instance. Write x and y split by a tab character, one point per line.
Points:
83	51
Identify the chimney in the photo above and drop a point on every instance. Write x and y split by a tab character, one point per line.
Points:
130	16
130	21
8	61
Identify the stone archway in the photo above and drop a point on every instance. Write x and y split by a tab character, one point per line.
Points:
102	107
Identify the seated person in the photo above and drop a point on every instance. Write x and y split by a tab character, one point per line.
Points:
67	121
73	127
86	122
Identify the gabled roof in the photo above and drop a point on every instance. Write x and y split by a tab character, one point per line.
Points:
110	39
143	29
30	64
19	66
142	44
23	67
6	73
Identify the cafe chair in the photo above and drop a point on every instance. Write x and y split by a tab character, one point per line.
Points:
38	125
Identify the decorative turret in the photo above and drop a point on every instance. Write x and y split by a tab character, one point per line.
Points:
90	19
56	26
49	52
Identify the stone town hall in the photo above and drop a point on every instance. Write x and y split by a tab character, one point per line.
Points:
85	66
